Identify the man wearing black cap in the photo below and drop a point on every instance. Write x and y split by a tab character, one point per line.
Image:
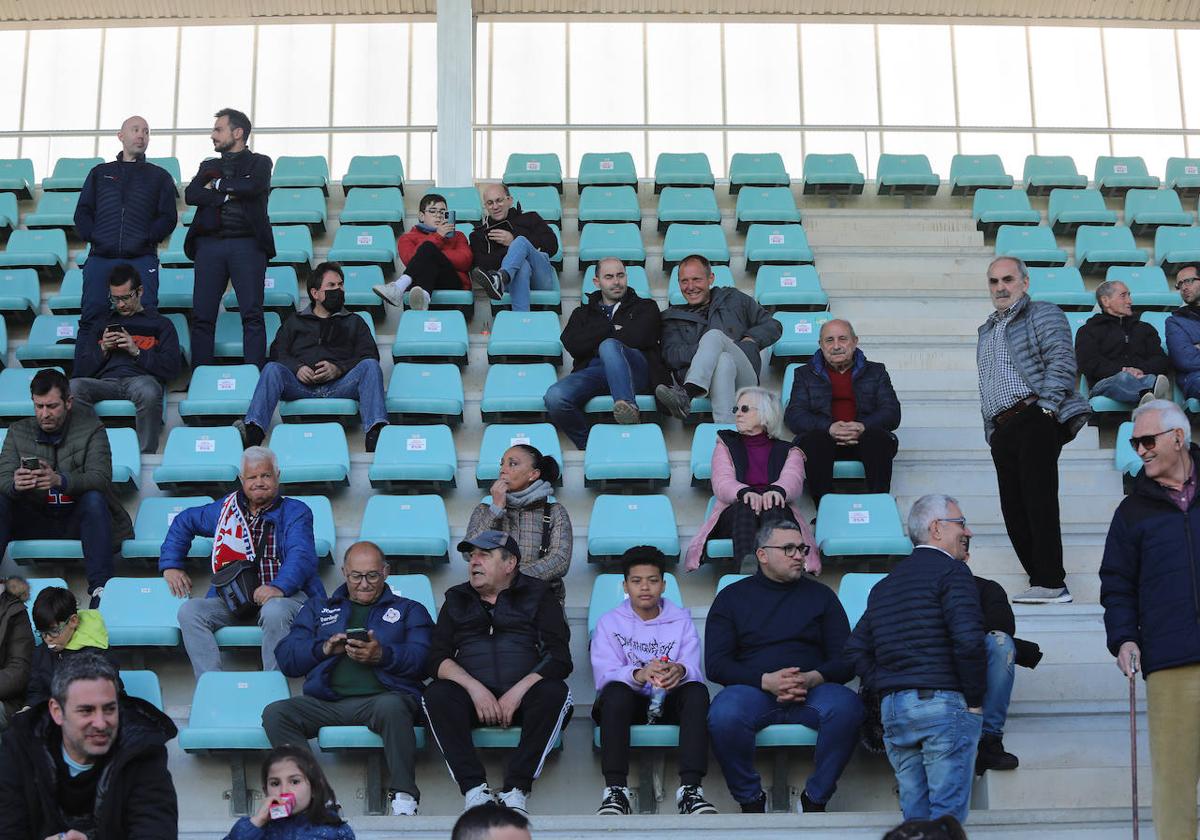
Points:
499	657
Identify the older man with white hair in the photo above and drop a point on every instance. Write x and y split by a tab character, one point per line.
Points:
263	542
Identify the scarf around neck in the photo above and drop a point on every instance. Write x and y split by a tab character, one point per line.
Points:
534	493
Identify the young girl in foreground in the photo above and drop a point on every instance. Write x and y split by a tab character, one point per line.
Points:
314	811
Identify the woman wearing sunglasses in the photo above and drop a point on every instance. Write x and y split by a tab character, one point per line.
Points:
756	477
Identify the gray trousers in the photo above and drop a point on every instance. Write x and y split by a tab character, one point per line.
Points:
146	394
201	618
720	367
390	715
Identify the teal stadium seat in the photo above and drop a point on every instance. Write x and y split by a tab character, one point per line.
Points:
70	294
765	205
218	394
801	331
1147	285
853	591
499	437
20	294
704	440
635	278
298	206
609	204
694	205
374	206
992	208
173	255
175	289
790	287
622	240
414	459
36	585
16	176
853	525
374	171
1071	208
365	245
10	216
1174	247
836	174
293	246
1125	459
421	392
227	345
688	169
1098	248
143	685
717	549
281	292
42	250
608	593
1115	175
301	171
415	588
533	171
171	165
683	240
618	523
776	245
51	342
556	259
969	173
905	175
35	552
1075	320
200	460
610	169
153	520
1044	173
516	392
1034	245
14	394
126	459
722	277
525	337
69	174
54	210
1062	287
620	457
1158	320
1183	176
311	455
757	169
140	612
359	281
464	201
540	300
408	528
1147	210
1103	408
324	530
544	201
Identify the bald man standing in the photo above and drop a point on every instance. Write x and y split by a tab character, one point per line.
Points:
126	208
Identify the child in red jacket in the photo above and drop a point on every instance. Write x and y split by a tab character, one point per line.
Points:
435	256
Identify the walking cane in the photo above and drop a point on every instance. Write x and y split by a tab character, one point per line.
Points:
1133	665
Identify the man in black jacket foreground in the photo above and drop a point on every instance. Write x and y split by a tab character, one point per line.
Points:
499	657
1121	357
920	645
613	341
88	764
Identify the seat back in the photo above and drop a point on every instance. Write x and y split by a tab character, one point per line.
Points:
415	588
499	437
853	591
291	170
1037	166
544	201
143	685
892	165
1151	201
464	201
227	709
990	200
140	611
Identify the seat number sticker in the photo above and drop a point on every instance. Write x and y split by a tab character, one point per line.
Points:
775	239
226	384
416	444
433	326
205	444
859	517
365	239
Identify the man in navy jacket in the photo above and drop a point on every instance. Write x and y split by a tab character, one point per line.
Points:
350	681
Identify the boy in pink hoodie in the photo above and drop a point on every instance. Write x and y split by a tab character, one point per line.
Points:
649	643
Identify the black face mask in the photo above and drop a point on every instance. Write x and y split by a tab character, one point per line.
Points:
335	299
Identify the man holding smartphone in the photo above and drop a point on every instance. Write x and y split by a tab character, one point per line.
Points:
435	256
512	249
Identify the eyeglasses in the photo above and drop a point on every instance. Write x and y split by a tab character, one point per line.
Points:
744	409
958	520
1179	284
431	211
791	549
370	577
124	298
57	629
492	202
1148	442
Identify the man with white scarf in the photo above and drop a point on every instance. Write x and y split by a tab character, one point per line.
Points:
255	524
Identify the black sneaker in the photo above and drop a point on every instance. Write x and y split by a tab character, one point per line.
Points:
690	800
97	594
251	434
757	806
992	755
807	806
615	803
675	400
373	436
492	282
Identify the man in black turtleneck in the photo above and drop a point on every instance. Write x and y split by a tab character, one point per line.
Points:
230	239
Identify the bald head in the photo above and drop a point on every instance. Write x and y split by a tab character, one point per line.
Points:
610	279
134	136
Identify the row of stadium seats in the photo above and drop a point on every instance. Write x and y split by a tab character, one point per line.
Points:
1145	210
1099	247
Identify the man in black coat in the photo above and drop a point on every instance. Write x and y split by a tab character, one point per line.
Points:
512	249
1121	358
88	764
230	239
843	408
613	341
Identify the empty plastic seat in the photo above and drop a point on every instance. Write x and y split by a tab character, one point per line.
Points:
365	245
150	526
801	332
218	394
374	206
140	612
1174	247
969	173
173	255
1115	175
1147	210
10	216
51	342
832	175
766	205
425	393
1097	248
704	440
34	552
324	530
626	456
313	455
755	169
1071	208
992	208
126	457
301	171
1147	286
635	278
795	287
1060	286
201	460
143	685
689	169
374	171
20	294
905	175
15	401
608	169
1075	320
43	250
464	201
1158	320
722	277
16	176
54	210
534	170
408	528
621	240
1183	176
171	165
618	523
1044	173
293	246
850	525
298	206
544	201
70	173
227	344
280	292
414	459
776	245
697	205
516	392
1035	245
853	591
683	240
499	437
608	593
609	204
70	294
359	280
525	337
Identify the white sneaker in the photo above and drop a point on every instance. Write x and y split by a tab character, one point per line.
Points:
514	799
390	293
1043	595
418	299
1162	388
478	795
403	805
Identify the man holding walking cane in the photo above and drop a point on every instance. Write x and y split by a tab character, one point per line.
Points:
1150	591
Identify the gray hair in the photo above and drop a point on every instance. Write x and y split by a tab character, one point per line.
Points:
1107	289
763	536
925	511
1022	269
1170	414
84	665
260	455
770	410
849	327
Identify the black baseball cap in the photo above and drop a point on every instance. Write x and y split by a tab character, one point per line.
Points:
488	540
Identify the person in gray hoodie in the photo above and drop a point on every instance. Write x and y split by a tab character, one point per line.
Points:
646	662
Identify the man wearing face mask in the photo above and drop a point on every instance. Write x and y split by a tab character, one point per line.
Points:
321	352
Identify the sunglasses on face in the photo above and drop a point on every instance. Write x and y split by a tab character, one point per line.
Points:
1147	442
744	409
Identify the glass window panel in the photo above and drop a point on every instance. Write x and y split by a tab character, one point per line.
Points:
292	88
1067	74
45	151
529	84
422	162
482	68
1154	149
9	148
938	147
604	142
1189	45
709	142
684	67
993	76
606	73
193	148
839	74
1193	146
840	143
423	85
762	74
298	145
207	86
370	76
784	143
1082	148
63	79
346	146
1012	148
1143	79
505	143
12	62
916	75
128	88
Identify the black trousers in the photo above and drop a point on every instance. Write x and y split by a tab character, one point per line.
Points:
543	712
220	262
1025	451
875	448
618	707
740	523
432	270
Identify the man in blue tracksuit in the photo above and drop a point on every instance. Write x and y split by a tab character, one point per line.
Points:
126	208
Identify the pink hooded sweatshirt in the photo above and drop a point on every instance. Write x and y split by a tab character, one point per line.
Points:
623	643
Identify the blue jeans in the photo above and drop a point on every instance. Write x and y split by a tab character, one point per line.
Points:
1001	655
88	520
931	741
363	382
94	305
1123	387
528	268
616	369
739	711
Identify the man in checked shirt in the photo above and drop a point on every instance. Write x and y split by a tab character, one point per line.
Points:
1028	394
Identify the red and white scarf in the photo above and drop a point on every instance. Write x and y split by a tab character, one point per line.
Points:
232	541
